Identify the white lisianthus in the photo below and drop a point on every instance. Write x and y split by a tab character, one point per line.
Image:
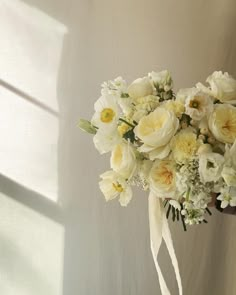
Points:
123	160
227	196
106	139
198	104
162	79
223	87
114	185
222	123
210	166
106	112
140	87
162	179
184	145
155	131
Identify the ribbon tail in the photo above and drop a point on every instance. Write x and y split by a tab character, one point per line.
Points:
159	230
169	244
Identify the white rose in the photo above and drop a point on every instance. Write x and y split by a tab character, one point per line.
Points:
162	79
140	88
222	123
156	130
163	179
123	160
223	87
210	166
198	104
114	185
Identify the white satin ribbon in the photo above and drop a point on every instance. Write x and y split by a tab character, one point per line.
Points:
159	229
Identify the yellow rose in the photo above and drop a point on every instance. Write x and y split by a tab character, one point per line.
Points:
222	123
184	145
163	179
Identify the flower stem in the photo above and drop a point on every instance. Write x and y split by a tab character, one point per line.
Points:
129	124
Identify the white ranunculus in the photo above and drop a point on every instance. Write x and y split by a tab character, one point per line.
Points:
140	87
156	130
162	79
222	123
113	185
106	112
123	160
223	87
162	179
210	166
198	104
106	139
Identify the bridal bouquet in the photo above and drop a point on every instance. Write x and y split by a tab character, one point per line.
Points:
179	146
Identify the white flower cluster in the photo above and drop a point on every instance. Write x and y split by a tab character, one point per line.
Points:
179	146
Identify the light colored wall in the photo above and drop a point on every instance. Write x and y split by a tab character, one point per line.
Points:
107	247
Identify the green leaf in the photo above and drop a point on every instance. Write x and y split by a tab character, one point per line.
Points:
124	95
129	135
86	126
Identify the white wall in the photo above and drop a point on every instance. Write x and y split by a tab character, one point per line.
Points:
107	247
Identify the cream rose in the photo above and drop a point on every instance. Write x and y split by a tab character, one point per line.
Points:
140	88
123	160
163	179
222	123
155	131
223	87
